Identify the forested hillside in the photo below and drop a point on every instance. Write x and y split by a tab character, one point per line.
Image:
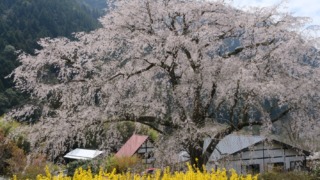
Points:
23	22
96	4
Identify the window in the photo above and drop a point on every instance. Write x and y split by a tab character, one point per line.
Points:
276	167
296	165
253	169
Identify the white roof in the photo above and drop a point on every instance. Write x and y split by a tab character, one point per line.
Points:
231	144
83	154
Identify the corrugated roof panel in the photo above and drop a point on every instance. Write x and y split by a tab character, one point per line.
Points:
233	143
83	154
131	146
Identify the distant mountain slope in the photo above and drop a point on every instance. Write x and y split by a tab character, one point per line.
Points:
23	22
96	4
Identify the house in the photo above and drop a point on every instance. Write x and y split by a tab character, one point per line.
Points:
139	145
256	154
82	154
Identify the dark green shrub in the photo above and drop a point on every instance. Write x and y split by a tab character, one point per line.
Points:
316	171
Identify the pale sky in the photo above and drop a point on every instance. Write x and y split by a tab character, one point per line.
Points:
306	8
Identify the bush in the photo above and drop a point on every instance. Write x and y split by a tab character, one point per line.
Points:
122	164
18	160
12	158
293	175
8	127
94	165
13	149
36	167
316	170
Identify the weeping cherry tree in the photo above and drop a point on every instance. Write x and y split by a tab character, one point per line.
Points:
186	68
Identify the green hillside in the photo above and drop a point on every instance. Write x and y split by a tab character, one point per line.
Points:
23	22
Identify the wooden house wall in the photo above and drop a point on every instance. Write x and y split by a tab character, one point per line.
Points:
146	152
264	154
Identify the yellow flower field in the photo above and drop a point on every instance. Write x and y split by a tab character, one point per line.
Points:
190	174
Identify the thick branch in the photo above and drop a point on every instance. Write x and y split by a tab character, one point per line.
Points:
235	99
198	115
142	70
115	76
185	25
171	26
189	57
150	121
150	17
212	94
151	65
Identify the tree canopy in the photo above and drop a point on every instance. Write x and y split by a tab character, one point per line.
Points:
188	69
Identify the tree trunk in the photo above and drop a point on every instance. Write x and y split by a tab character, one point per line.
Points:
196	158
199	156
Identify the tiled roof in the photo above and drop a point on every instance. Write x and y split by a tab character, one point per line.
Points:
131	146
